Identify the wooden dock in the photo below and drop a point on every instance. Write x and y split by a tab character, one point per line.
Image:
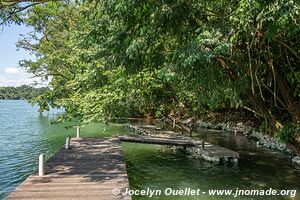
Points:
171	141
153	135
90	169
94	168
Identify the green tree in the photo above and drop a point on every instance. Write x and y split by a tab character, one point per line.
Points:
150	58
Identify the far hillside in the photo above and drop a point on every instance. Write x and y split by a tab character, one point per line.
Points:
21	92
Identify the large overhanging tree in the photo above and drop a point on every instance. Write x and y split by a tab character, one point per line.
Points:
247	48
124	58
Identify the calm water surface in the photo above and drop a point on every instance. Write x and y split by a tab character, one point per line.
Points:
25	134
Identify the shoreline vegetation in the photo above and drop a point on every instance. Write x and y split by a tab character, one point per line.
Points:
220	61
23	92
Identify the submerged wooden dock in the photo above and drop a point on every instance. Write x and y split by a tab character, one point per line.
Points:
171	141
153	135
199	148
90	169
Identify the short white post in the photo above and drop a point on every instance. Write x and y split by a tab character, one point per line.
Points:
78	132
174	123
67	146
42	164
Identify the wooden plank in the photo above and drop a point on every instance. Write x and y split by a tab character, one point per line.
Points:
70	182
51	195
90	197
36	193
90	169
49	176
158	140
71	186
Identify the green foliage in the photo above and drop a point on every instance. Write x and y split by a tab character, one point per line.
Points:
21	92
6	16
265	128
288	132
151	58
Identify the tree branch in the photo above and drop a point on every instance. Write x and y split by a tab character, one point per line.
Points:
12	13
289	48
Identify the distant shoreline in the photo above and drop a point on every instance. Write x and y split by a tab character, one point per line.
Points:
24	92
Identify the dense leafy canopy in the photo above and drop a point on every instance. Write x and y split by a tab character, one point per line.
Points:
152	58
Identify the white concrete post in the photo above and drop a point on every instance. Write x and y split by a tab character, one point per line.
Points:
42	164
174	123
67	146
78	132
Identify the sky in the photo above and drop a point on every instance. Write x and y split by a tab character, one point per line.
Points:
10	72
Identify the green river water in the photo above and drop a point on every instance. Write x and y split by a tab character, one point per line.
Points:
24	134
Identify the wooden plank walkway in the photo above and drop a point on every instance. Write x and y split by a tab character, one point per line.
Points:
89	170
172	141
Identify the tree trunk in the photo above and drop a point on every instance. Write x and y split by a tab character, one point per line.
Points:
287	93
260	107
258	104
